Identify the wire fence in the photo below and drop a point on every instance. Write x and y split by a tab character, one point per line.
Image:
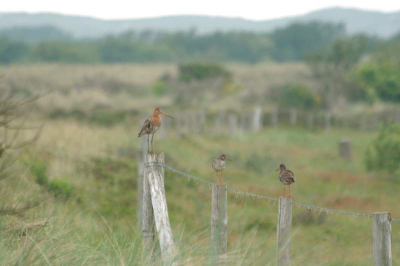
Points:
271	199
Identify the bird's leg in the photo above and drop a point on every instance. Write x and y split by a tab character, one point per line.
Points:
148	143
152	136
222	178
284	192
289	193
217	179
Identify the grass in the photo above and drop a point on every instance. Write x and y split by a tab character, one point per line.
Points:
84	168
96	224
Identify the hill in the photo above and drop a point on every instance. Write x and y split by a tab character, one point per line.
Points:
356	21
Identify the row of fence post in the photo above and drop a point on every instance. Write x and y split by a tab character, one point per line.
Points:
153	221
253	121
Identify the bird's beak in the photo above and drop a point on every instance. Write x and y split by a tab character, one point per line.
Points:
166	114
229	159
276	169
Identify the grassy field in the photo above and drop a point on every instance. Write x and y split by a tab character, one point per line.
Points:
84	169
96	220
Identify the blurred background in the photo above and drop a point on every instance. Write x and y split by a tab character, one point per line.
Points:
314	86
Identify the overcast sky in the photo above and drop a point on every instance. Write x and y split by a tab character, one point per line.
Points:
250	9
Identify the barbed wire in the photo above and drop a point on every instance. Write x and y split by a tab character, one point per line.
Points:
198	179
243	193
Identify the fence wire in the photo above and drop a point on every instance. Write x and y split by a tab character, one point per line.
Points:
274	200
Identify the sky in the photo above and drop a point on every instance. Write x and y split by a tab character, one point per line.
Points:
249	9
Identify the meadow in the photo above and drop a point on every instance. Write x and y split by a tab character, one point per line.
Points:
85	171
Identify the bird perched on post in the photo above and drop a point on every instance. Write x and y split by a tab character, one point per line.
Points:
286	177
151	125
219	165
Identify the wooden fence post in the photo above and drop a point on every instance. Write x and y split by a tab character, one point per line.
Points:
219	219
293	116
147	225
274	118
155	177
233	124
310	120
257	119
345	149
327	121
140	160
202	122
382	239
283	231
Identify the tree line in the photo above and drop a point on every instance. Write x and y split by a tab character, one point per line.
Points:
47	44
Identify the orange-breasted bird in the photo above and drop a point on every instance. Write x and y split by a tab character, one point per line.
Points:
151	125
219	165
286	177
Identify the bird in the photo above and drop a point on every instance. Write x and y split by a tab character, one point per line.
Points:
151	125
286	177
219	165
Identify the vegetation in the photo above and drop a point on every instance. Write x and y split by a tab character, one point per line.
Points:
298	96
291	43
100	227
383	153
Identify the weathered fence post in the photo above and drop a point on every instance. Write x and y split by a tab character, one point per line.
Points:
382	239
293	116
155	177
363	122
283	231
140	160
274	118
233	124
147	225
345	149
219	219
257	119
310	120
327	121
202	122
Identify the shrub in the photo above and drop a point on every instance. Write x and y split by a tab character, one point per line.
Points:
39	170
384	152
160	87
380	79
298	96
199	71
59	188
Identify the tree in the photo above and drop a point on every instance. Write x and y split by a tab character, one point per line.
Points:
297	40
14	115
332	68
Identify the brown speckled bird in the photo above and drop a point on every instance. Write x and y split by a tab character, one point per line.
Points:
219	165
286	177
151	125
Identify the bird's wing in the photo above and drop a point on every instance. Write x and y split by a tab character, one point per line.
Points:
289	175
146	126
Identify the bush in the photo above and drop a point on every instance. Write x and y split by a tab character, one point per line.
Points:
298	96
383	152
59	188
39	170
199	71
382	80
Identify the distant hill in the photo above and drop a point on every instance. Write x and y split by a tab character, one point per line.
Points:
356	21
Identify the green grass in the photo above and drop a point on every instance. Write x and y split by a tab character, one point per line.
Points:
96	223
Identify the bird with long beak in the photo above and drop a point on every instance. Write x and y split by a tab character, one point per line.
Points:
219	165
151	125
286	177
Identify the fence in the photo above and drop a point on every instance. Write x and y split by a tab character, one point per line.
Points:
154	211
253	120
